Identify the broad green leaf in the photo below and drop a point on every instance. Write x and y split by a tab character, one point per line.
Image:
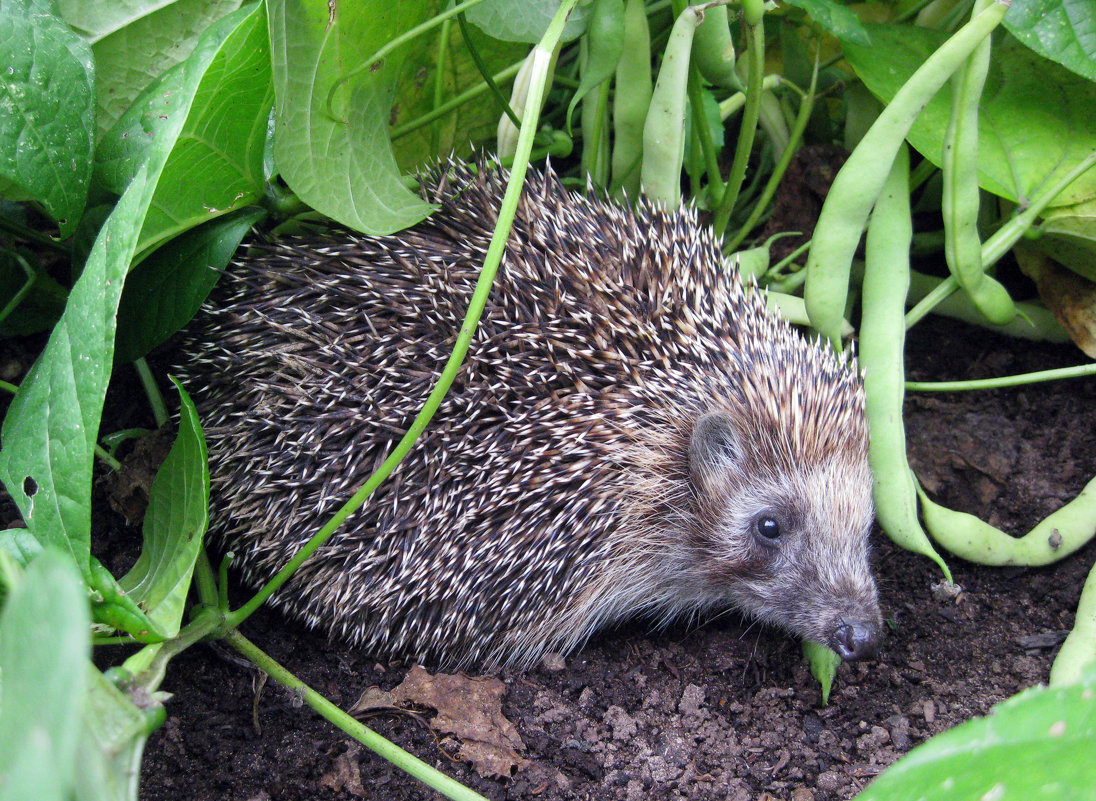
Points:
49	433
1036	746
835	19
165	290
47	113
332	147
223	90
20	544
1069	237
525	21
111	741
44	650
476	120
134	41
1037	121
175	523
1061	30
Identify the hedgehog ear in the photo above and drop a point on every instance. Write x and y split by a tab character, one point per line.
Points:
714	447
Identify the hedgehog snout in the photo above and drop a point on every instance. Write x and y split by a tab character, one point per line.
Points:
855	639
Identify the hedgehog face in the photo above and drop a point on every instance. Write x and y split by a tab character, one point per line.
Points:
786	543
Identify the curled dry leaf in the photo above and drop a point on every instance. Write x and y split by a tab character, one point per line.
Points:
470	710
1071	297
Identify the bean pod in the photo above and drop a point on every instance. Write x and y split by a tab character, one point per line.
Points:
882	338
860	181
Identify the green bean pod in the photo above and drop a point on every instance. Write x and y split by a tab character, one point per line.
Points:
632	98
713	49
1054	538
601	49
664	128
882	338
962	196
1078	652
860	181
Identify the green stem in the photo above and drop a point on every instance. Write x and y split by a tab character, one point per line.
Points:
152	391
942	291
806	106
1007	235
704	136
542	54
502	102
371	62
209	591
207	623
22	232
440	73
363	734
746	134
111	462
1078	371
456	102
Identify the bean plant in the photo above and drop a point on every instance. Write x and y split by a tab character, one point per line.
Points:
130	168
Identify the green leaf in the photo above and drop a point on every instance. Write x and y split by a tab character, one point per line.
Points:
1028	138
47	116
165	290
44	650
1061	30
134	41
1036	746
112	740
20	544
823	663
332	148
474	121
525	21
175	523
835	19
1069	237
223	90
49	433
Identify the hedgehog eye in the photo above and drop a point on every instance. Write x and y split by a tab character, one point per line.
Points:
767	528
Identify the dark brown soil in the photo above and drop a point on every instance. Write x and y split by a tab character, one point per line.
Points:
726	710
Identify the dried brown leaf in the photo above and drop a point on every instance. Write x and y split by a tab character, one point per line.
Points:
470	709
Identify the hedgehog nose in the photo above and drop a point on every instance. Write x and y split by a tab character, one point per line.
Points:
855	639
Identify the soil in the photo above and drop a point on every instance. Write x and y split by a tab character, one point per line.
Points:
725	710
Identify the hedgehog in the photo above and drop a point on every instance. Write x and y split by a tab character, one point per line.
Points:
632	435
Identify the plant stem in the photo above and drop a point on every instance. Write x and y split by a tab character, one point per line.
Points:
1078	371
748	131
22	232
806	106
152	391
363	734
929	302
456	102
